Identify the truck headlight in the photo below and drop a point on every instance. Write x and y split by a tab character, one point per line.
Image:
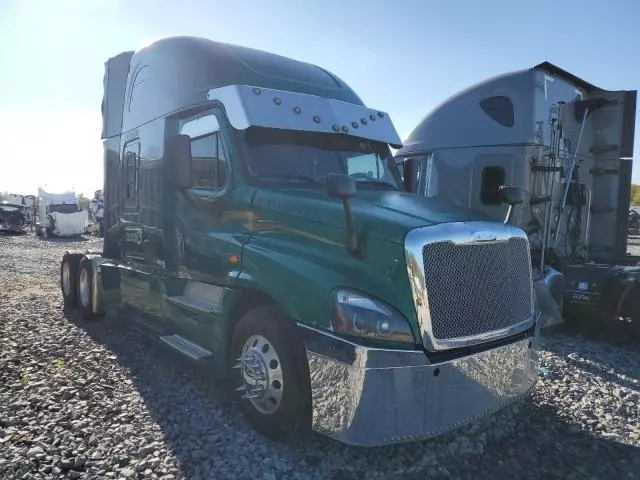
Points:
356	315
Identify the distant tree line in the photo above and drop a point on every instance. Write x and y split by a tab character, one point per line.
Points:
635	194
83	202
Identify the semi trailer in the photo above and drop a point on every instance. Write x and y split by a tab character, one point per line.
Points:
255	223
567	142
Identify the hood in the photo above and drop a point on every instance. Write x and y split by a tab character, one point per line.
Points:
383	214
68	224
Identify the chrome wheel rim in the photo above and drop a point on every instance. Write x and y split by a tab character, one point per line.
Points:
261	374
84	287
66	279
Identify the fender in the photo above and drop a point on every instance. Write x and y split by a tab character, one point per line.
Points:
299	274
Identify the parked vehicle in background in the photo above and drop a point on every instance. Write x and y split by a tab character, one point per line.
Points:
634	222
59	215
96	214
29	204
255	223
570	144
15	199
12	218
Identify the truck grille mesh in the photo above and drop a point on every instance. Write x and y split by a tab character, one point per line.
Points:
477	288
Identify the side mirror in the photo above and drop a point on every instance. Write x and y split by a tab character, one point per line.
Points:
410	174
177	155
512	195
341	186
344	187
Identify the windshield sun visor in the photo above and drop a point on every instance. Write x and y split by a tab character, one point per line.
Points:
248	106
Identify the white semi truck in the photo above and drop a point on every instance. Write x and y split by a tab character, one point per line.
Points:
59	215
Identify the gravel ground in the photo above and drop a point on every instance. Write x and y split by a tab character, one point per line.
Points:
633	245
93	400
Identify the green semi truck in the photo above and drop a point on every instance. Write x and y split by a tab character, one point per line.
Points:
255	222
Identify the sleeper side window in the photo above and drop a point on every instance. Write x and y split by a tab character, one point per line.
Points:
131	163
492	178
209	159
500	109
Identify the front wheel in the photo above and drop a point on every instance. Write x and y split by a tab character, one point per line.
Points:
269	373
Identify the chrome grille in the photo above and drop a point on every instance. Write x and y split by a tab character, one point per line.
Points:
476	288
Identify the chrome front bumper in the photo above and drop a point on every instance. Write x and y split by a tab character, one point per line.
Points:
366	396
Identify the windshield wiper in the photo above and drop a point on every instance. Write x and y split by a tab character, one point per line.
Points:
292	178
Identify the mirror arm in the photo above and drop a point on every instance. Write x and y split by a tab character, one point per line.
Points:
513	196
344	187
507	219
353	244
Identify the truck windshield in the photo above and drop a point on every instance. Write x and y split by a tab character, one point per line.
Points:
286	156
64	208
6	208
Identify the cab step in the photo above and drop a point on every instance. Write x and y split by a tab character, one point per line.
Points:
195	304
186	347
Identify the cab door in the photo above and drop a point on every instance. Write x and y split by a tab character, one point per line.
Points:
202	241
139	279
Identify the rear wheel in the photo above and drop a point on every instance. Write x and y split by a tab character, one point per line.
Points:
269	373
68	278
84	287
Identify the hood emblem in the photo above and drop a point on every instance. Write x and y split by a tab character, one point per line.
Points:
485	236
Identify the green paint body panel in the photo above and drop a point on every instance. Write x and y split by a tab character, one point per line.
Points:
297	252
291	246
166	245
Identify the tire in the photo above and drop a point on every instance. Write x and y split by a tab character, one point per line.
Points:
68	277
84	288
291	403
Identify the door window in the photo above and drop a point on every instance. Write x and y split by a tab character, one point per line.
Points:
131	163
492	178
209	162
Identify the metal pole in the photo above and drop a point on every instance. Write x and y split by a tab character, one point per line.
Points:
554	149
587	227
569	177
545	234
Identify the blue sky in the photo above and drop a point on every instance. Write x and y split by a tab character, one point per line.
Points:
401	56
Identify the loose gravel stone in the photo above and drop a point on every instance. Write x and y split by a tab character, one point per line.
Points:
92	399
